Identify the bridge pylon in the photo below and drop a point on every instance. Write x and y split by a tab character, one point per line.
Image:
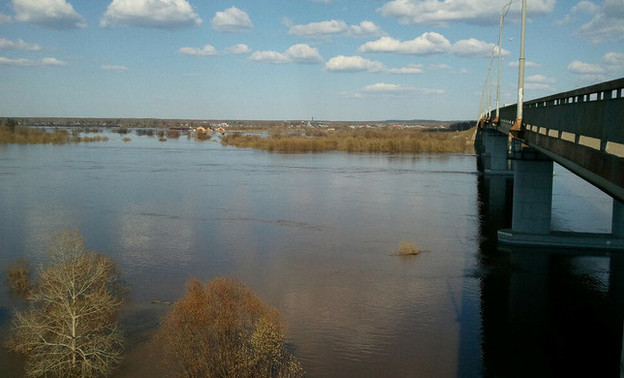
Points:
532	209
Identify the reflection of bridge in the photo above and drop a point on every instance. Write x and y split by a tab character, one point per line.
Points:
582	130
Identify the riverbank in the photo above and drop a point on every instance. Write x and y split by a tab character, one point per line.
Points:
416	141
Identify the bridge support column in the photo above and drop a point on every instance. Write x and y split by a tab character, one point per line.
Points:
617	221
532	208
532	198
496	145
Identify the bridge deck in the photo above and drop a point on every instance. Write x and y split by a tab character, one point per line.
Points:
583	130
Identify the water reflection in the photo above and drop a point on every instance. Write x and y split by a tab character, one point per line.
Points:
546	312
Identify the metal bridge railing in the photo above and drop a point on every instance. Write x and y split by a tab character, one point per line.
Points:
591	116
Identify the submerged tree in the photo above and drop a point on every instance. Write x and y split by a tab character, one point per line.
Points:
224	330
69	328
18	278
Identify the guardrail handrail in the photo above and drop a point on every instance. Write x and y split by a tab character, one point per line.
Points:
594	112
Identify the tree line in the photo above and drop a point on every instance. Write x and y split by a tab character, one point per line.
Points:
69	327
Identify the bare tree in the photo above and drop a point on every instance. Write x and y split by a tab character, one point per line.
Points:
224	330
69	328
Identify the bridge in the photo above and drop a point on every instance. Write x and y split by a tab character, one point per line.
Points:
583	131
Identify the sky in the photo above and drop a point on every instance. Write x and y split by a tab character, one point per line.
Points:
295	59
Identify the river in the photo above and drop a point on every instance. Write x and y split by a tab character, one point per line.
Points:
314	236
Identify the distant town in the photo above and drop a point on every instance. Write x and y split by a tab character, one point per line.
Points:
233	124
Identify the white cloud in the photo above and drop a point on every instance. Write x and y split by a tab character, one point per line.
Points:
614	59
585	7
343	63
365	29
269	56
427	43
444	11
383	88
538	82
321	29
6	44
302	53
239	49
431	43
16	62
583	68
476	48
299	53
22	62
117	68
407	70
607	22
4	18
165	14
326	29
356	63
232	20
54	14
612	66
52	62
207	50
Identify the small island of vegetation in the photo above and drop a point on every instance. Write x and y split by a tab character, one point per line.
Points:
369	140
12	133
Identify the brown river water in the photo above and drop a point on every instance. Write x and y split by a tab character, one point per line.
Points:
314	236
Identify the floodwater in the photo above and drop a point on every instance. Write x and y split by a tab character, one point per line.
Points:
314	236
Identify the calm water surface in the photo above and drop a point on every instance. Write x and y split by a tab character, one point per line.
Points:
313	235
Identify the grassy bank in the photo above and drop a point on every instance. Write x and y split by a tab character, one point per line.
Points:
11	134
358	140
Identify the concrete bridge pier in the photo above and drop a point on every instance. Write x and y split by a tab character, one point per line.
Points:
617	221
532	198
496	145
532	209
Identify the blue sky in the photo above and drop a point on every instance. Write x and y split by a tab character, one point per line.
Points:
293	59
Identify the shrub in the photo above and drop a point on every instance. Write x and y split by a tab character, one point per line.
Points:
358	140
18	276
173	134
408	249
223	329
202	137
120	130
